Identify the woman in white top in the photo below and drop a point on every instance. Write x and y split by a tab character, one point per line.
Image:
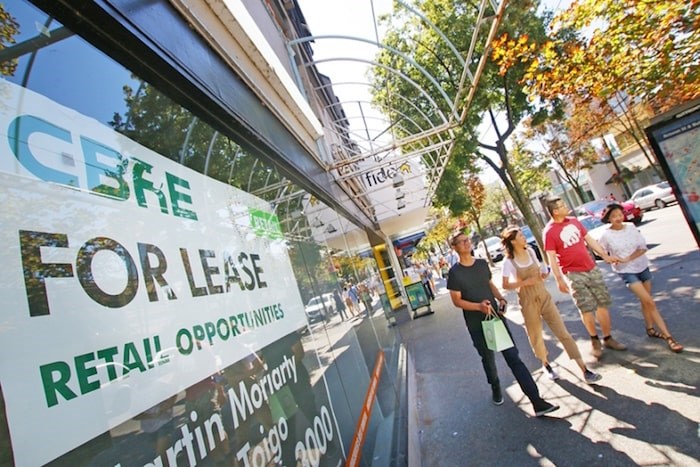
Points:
625	243
523	272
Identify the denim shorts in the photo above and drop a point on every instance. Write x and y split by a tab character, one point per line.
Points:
632	277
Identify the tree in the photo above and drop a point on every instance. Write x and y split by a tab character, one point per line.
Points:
438	234
494	213
499	91
601	47
530	167
319	275
155	121
8	29
617	55
351	266
641	47
570	154
626	115
477	194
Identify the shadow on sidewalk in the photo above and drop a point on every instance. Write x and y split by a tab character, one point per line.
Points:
651	423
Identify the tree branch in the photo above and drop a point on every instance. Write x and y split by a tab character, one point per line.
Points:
493	122
487	146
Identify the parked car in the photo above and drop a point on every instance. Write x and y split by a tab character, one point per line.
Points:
530	238
494	246
651	196
320	308
595	209
595	228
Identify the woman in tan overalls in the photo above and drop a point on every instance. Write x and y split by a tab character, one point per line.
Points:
523	272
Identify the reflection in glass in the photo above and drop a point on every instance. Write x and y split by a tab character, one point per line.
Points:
332	359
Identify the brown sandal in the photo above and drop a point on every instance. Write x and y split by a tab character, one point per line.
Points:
651	332
673	344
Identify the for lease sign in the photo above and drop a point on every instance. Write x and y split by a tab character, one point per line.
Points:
115	262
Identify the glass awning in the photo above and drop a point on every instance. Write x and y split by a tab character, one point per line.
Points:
388	159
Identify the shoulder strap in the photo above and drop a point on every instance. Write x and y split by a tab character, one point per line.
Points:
532	256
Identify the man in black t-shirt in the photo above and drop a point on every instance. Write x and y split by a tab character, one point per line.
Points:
339	305
471	289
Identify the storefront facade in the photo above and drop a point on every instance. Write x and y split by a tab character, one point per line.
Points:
165	235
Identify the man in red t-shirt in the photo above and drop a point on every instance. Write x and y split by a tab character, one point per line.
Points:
565	240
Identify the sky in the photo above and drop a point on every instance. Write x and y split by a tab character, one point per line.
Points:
52	71
353	18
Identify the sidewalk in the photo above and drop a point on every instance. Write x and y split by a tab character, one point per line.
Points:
645	410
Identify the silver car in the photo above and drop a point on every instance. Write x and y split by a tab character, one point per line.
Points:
595	228
651	196
494	246
320	308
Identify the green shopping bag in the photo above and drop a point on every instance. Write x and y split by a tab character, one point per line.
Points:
496	334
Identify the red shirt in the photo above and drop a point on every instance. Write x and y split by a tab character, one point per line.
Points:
566	239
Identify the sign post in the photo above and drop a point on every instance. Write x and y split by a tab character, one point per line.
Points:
417	299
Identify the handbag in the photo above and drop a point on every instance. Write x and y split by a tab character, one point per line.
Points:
496	334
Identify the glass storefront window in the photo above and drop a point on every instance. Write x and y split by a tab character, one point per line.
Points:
167	299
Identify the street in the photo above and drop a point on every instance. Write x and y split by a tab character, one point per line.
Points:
667	232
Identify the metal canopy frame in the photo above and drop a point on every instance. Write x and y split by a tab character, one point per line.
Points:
430	140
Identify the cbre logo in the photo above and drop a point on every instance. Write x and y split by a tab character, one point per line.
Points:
103	170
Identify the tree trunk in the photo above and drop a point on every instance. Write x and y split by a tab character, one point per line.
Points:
520	199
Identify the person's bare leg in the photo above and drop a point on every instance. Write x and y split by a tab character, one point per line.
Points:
603	317
589	322
649	311
645	300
